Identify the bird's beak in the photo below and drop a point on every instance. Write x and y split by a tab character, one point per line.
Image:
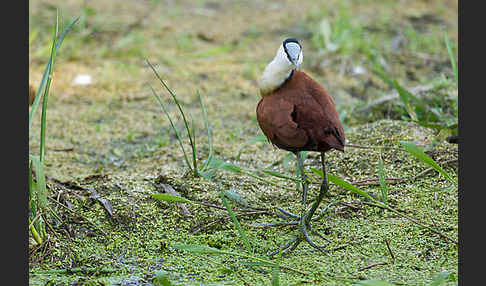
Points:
295	61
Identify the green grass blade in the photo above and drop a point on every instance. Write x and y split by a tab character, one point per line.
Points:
317	172
31	187
207	174
261	138
279	175
405	96
161	279
175	100
240	229
208	130
215	163
231	168
170	198
33	203
419	154
173	127
276	272
248	173
37	237
383	186
287	158
345	185
46	92
39	193
41	196
236	197
38	96
451	56
218	164
193	147
438	126
32	36
373	283
442	278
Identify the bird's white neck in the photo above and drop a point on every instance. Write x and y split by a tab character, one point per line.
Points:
276	73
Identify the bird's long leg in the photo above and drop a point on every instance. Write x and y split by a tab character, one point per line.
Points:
305	187
322	192
304	222
305	182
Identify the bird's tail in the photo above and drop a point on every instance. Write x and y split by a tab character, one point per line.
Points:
336	140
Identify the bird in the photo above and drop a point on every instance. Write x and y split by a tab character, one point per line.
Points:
296	114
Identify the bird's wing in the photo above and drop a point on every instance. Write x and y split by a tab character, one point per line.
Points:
276	119
322	117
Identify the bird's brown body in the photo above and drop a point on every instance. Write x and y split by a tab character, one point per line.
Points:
301	116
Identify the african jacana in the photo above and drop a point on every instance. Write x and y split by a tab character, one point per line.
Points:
296	114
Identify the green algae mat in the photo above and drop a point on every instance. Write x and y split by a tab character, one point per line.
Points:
110	147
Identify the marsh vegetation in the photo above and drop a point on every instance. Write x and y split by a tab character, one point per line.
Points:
132	197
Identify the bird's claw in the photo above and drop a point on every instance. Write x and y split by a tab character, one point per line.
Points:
285	214
288	215
303	235
288	247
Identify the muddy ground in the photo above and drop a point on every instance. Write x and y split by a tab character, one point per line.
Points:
109	143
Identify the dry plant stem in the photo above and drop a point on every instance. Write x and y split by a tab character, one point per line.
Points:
372	265
376	181
389	250
210	205
67	149
431	169
353	207
169	189
50	226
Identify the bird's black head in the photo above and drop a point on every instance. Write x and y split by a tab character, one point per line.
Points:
291	40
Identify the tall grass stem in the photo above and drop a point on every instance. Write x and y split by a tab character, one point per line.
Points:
179	139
